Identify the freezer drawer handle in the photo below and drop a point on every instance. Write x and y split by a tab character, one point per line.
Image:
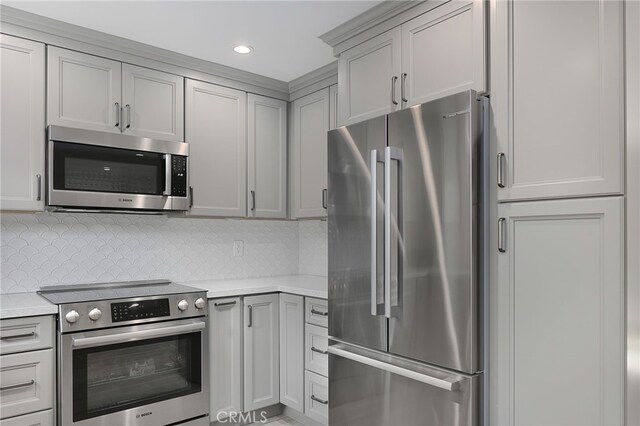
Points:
18	386
137	335
324	314
321	401
320	351
446	384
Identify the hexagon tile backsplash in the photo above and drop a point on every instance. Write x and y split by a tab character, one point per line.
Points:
69	248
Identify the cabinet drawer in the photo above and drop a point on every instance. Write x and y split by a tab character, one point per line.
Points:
316	343
42	418
26	334
316	312
316	403
26	383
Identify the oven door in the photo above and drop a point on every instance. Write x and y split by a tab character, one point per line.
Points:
152	374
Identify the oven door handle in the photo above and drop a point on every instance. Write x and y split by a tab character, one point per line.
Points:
83	342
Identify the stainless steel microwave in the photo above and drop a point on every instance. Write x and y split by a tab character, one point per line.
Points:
100	171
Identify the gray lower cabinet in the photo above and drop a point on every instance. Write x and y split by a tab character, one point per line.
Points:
27	371
316	364
22	133
261	351
558	345
291	351
225	358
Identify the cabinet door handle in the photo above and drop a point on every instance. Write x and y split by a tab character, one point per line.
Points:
250	316
118	114
18	336
324	198
502	234
324	314
403	85
500	174
128	107
190	196
253	201
19	385
320	351
39	193
393	90
321	401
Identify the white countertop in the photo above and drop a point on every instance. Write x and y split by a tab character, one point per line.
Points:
14	305
303	285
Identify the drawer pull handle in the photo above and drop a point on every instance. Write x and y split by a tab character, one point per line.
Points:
18	336
324	314
224	304
321	401
19	385
320	351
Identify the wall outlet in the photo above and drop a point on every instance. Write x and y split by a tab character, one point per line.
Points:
238	248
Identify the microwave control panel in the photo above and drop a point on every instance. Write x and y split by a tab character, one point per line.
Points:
178	176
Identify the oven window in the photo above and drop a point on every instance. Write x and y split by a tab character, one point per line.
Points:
112	378
78	167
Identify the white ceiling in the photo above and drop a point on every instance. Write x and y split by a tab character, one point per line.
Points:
284	34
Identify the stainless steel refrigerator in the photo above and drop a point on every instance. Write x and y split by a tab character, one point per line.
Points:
407	268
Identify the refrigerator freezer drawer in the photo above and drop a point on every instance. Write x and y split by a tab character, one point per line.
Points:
382	390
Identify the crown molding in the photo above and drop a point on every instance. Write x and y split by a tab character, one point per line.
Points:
50	31
313	81
367	20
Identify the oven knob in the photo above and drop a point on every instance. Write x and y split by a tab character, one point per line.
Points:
95	314
72	316
200	303
183	305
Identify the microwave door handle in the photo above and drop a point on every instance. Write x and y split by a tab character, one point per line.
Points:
167	175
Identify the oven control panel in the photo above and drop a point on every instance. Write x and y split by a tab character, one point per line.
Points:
143	309
98	314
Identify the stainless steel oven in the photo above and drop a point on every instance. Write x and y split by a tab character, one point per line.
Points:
137	360
104	171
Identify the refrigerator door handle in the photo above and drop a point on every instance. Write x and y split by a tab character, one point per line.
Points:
376	157
448	383
392	154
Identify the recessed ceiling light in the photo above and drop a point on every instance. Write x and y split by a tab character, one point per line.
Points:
241	48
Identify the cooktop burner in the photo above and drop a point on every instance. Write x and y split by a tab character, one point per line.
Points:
61	294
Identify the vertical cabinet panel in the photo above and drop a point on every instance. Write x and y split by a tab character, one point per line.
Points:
557	97
83	91
22	128
216	132
267	157
225	360
333	107
443	52
261	352
309	154
560	356
365	74
291	347
153	103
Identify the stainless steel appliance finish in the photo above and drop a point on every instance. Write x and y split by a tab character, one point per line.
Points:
131	353
406	266
170	192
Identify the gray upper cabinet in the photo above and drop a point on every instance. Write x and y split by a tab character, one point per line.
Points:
216	132
153	103
368	76
557	98
438	53
309	154
90	92
267	157
443	52
83	91
22	132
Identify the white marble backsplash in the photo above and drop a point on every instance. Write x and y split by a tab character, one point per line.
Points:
313	255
